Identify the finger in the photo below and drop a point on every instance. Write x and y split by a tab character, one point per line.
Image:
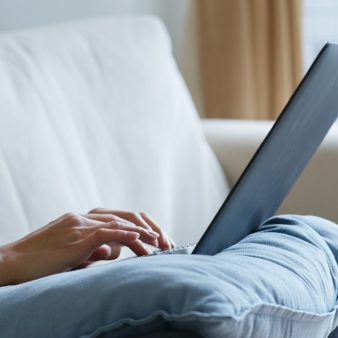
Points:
129	216
155	244
104	252
140	219
105	236
103	217
173	244
134	217
163	239
114	222
101	253
99	210
138	248
115	250
167	241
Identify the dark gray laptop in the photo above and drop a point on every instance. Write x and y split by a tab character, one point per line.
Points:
279	160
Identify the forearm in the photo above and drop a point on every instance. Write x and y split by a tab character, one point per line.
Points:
7	272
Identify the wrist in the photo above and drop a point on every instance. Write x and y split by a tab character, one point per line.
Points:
7	269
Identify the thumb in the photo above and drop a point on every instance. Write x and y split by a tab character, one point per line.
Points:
102	252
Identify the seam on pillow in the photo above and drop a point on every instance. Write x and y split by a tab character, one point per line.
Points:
202	317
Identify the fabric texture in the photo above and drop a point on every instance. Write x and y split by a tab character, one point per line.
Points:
250	56
278	282
95	113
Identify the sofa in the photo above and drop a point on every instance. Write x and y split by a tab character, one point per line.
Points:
95	113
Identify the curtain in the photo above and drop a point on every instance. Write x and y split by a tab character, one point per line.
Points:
250	55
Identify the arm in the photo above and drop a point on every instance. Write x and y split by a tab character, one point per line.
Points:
75	240
6	268
316	191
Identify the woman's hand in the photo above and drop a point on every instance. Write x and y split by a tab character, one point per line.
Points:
139	219
76	240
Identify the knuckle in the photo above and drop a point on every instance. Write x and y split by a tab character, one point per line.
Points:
131	214
132	225
95	210
73	217
128	223
117	224
123	233
160	232
144	214
75	235
99	233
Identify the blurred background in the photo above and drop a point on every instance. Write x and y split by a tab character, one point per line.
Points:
240	58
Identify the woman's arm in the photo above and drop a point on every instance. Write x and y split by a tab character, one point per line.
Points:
76	240
6	268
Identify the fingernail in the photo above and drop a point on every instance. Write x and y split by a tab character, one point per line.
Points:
153	234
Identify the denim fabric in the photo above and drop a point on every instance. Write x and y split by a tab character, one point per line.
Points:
280	281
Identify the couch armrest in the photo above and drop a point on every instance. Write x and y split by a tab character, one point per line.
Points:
316	191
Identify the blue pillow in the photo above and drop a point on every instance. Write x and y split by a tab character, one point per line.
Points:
278	282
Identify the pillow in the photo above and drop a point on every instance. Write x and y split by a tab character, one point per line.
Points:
278	282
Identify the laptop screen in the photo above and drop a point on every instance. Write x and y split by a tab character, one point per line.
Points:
281	158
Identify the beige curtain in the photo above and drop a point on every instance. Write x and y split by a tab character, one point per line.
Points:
250	54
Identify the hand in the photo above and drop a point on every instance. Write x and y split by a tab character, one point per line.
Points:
139	219
75	240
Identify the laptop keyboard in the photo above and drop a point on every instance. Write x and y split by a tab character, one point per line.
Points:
183	249
180	250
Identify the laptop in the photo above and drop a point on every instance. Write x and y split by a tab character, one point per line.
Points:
279	160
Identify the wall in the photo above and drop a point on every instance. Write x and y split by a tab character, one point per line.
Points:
320	25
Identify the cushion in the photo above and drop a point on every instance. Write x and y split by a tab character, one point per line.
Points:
278	282
95	113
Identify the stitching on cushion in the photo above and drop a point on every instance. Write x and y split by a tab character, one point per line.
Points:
202	317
